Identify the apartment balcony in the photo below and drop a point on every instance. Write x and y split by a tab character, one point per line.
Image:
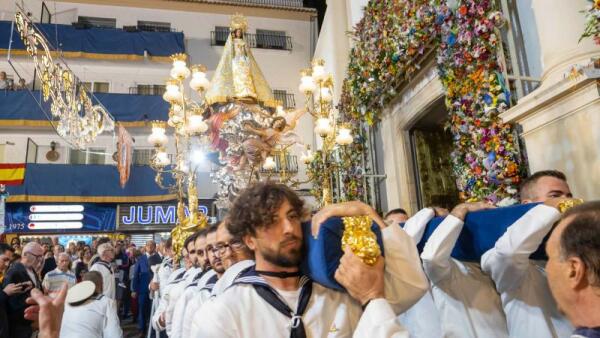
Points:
262	41
75	41
287	4
24	108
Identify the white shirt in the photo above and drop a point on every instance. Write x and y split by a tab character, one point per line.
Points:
423	319
404	280
191	292
466	299
95	319
163	302
190	321
165	269
522	282
54	280
173	296
241	312
108	278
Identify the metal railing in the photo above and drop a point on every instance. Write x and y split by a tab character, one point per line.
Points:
263	41
147	90
267	3
287	100
289	166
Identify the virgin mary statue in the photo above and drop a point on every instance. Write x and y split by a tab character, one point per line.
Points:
238	77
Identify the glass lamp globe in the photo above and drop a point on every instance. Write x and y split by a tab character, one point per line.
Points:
196	125
323	127
344	137
269	163
172	93
162	159
199	81
179	70
158	138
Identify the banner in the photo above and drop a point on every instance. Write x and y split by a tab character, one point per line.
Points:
34	218
124	154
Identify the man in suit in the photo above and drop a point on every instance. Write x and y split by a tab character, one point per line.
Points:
25	274
142	277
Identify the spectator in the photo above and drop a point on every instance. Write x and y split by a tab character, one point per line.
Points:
16	245
50	263
22	85
82	265
142	276
6	257
54	280
9	290
573	267
106	254
25	275
4	83
95	246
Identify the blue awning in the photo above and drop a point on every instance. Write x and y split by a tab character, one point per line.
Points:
21	108
100	43
87	183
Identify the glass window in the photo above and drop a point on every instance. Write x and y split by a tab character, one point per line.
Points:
101	87
96	156
221	35
270	39
154	26
76	156
142	156
96	22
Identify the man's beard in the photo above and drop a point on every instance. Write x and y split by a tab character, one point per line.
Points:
289	259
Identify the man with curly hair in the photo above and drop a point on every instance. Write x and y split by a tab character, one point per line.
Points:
274	299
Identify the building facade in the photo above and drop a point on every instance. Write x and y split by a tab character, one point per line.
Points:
553	80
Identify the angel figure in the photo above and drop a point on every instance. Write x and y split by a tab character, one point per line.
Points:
280	133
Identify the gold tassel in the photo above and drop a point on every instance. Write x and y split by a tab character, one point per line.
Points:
360	238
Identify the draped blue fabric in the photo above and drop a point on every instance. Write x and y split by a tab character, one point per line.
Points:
323	254
67	38
23	105
481	231
86	181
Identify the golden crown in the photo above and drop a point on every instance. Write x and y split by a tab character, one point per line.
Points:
238	21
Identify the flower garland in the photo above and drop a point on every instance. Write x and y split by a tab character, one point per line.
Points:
395	32
485	159
390	36
592	22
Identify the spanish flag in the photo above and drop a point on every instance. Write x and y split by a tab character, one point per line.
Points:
12	173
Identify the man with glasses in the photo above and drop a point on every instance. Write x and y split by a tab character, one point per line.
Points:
25	275
236	257
106	254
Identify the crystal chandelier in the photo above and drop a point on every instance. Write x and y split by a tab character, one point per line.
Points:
185	119
74	117
327	163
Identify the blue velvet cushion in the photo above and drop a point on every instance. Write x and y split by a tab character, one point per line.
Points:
481	231
324	253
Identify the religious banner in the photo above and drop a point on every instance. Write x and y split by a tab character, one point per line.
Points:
124	155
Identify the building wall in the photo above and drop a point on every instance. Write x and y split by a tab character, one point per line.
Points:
281	68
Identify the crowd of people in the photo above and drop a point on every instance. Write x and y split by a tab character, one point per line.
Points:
8	84
242	277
